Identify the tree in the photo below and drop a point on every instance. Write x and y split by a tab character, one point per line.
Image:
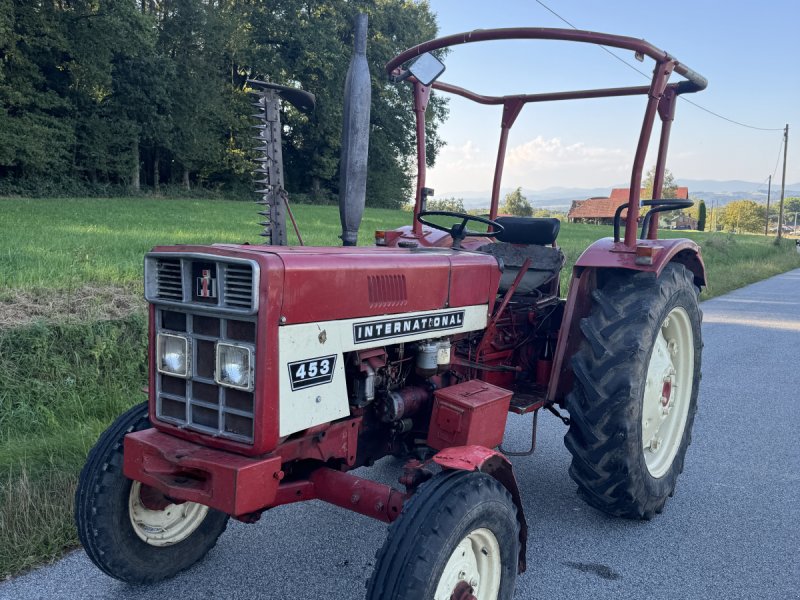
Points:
744	215
701	216
516	204
791	207
450	204
93	91
669	190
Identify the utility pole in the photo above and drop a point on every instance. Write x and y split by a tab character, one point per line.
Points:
769	187
783	179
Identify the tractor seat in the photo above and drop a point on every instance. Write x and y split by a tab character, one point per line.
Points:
527	230
524	238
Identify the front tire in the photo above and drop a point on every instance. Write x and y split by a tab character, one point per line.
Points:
634	399
458	536
130	530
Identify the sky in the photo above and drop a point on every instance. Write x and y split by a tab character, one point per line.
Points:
746	49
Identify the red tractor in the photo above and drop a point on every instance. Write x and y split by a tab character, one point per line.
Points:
275	371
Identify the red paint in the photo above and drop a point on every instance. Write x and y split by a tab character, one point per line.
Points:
422	94
660	98
579	303
666	392
469	413
697	82
360	495
239	485
185	471
605	253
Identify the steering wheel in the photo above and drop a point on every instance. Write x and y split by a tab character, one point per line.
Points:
459	231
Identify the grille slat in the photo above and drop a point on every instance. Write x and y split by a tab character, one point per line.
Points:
238	286
169	279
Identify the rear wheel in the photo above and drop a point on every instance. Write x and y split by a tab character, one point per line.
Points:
634	399
458	537
131	531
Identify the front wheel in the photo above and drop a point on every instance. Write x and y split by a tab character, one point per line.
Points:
129	530
634	398
458	537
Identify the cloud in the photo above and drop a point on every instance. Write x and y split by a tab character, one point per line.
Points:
541	154
461	158
537	164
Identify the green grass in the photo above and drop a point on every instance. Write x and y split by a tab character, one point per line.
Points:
63	244
62	380
60	387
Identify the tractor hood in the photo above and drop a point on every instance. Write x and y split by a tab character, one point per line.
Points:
330	283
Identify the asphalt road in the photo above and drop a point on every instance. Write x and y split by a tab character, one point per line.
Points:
731	531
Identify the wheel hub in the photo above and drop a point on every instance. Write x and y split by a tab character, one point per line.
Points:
473	570
463	591
159	522
667	394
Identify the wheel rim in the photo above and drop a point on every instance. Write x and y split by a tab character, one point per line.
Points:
668	391
169	525
475	561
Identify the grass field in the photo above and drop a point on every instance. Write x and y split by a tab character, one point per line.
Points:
64	244
72	330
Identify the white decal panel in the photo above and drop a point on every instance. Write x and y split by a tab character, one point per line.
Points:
309	397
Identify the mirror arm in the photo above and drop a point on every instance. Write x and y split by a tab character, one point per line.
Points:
399	75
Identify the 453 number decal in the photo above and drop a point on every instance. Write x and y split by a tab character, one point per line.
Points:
314	371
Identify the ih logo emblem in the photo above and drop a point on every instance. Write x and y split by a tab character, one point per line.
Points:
206	285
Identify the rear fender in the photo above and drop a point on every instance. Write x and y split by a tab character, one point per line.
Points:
606	254
495	464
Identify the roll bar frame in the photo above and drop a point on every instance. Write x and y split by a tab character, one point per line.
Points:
661	99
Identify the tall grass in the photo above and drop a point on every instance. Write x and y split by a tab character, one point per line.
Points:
60	386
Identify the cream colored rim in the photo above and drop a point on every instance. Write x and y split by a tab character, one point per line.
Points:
668	392
164	527
475	560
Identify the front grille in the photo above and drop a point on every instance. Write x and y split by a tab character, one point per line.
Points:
199	403
224	284
169	279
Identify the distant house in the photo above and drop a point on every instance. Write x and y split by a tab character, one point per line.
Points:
681	221
600	210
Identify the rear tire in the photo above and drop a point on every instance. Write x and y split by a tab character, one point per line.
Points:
458	532
634	399
113	521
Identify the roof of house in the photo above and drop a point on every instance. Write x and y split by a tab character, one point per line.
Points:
603	208
621	194
594	208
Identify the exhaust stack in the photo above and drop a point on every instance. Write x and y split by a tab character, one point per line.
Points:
355	137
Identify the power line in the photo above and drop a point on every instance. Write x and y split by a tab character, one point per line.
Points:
629	65
778	160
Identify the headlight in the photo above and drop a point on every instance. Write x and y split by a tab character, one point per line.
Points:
173	355
233	366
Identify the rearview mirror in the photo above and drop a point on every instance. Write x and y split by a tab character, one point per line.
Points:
426	69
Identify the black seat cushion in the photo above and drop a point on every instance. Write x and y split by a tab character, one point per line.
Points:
527	230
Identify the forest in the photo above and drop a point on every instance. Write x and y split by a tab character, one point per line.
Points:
113	97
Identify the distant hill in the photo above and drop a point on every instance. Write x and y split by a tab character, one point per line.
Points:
709	190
